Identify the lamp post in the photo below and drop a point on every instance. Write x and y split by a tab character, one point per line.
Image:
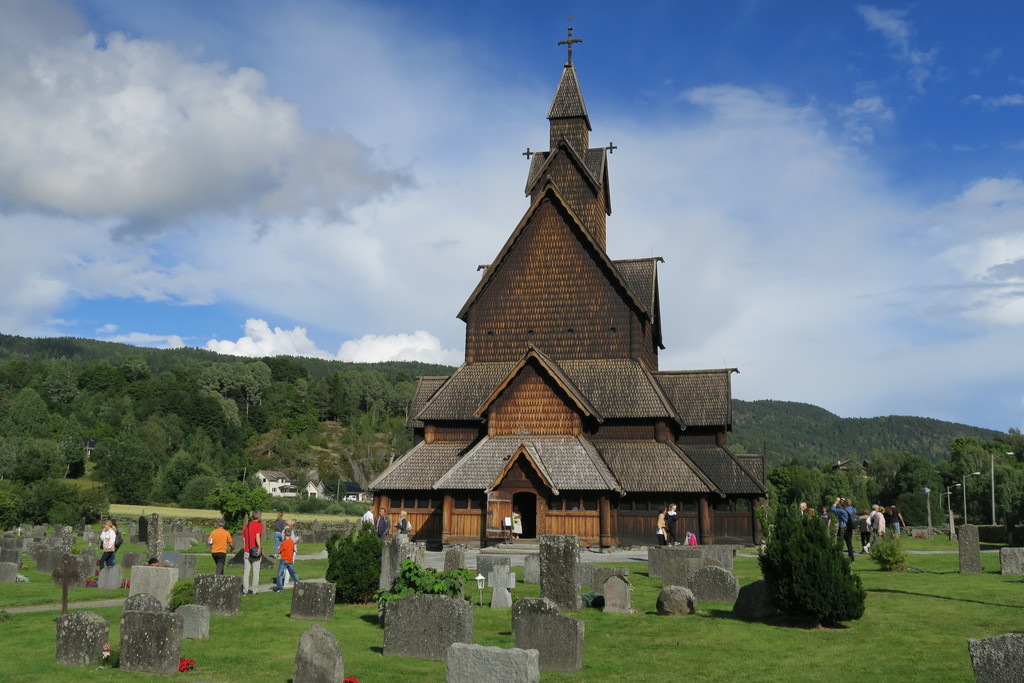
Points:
949	508
480	587
928	492
969	474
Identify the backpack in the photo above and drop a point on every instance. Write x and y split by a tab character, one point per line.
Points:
117	539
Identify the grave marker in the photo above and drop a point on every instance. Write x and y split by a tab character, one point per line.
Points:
618	594
195	621
560	571
221	593
313	600
999	659
423	626
319	657
557	639
970	550
468	663
155	538
65	576
151	642
80	638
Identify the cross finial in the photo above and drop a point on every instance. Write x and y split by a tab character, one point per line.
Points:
528	154
569	41
611	148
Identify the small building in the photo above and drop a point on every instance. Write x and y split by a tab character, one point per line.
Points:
277	484
314	489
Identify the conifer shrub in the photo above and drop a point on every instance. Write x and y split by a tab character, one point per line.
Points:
887	553
806	571
182	593
353	564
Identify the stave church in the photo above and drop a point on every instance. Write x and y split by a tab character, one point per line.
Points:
560	413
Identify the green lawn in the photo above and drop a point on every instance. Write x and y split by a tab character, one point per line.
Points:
915	627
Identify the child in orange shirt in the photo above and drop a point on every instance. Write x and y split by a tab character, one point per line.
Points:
287	554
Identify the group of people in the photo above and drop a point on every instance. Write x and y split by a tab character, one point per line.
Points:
285	540
382	523
668	521
870	525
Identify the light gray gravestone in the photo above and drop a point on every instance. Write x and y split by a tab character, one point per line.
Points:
195	621
618	595
485	564
47	560
151	642
319	658
141	602
181	542
502	576
714	584
531	568
394	551
678	571
560	572
67	539
186	567
473	663
80	638
676	600
528	607
999	659
222	594
970	549
658	555
8	572
1011	561
423	626
157	581
155	538
599	575
454	558
11	555
130	559
558	640
313	600
110	578
754	602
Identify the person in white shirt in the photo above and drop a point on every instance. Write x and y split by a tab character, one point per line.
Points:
368	517
108	540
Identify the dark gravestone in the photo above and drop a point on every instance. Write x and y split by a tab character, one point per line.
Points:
560	572
151	642
599	575
222	594
558	639
531	568
319	658
678	571
970	550
473	663
528	607
195	621
485	564
714	584
754	602
454	558
8	572
1011	561
423	626
238	559
999	659
676	600
313	601
143	530
80	638
141	602
155	538
12	556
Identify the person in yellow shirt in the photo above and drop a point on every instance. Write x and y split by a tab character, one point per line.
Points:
220	542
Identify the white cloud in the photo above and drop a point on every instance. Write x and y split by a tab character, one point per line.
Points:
1014	100
260	340
160	341
107	329
896	30
861	117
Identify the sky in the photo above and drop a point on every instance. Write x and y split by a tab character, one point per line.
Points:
835	187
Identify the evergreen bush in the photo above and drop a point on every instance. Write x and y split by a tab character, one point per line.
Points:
353	564
182	593
806	571
887	553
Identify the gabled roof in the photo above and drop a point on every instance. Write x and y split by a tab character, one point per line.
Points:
642	276
425	389
592	173
555	372
568	101
273	475
421	466
700	397
568	463
552	194
649	465
724	468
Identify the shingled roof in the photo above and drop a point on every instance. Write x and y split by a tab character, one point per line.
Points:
422	465
700	397
648	465
425	389
568	101
723	468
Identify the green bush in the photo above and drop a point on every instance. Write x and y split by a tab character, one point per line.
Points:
353	564
413	579
592	599
197	491
887	553
806	571
182	593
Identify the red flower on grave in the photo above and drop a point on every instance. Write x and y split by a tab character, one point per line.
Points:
351	679
186	664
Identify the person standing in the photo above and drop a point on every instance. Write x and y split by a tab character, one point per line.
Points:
403	527
220	542
671	520
279	526
865	531
662	534
847	515
286	563
368	517
876	520
898	524
383	524
253	555
108	541
293	527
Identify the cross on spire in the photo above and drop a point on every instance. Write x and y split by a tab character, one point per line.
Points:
528	153
569	41
611	148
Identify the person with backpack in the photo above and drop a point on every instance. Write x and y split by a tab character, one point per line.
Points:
253	554
109	542
847	516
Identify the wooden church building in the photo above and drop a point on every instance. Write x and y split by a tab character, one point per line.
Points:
560	411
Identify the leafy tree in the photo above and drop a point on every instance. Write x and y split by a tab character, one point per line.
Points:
353	564
806	572
182	467
50	501
127	467
9	507
62	382
236	500
28	415
196	493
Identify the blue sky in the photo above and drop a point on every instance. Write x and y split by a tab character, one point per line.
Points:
835	187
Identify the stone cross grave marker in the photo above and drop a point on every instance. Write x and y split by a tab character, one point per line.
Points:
66	575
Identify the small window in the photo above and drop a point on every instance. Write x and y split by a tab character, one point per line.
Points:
476	504
556	504
462	503
588	503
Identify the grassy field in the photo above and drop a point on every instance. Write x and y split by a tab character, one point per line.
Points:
915	628
192	513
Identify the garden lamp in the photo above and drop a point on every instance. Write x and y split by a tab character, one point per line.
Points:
480	587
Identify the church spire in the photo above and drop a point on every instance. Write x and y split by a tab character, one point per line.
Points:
568	113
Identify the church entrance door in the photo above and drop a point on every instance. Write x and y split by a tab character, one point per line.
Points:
526	503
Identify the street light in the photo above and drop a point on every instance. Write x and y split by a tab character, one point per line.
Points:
949	508
970	474
928	492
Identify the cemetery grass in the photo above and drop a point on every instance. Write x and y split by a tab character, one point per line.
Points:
915	627
120	510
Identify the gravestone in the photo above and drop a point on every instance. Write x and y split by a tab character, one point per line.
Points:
319	658
676	600
714	584
599	575
659	555
141	602
531	568
423	626
560	572
454	558
155	538
110	578
47	561
394	551
8	572
195	622
722	555
151	642
238	559
529	607
80	638
313	601
130	559
65	577
586	574
468	663
86	564
503	581
186	567
678	571
157	581
67	539
143	529
557	639
1011	561
754	602
970	550
618	595
485	564
999	659
221	593
181	542
502	576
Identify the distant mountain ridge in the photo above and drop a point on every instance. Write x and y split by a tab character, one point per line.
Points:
785	430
